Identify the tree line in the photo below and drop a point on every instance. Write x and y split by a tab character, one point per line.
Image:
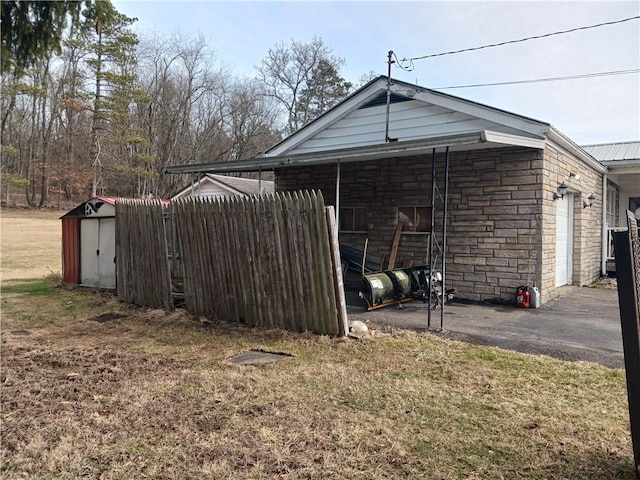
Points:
90	108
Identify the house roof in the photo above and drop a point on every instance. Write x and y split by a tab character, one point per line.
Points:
234	185
614	152
419	119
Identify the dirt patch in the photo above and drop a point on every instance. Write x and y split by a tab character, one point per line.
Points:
107	317
606	283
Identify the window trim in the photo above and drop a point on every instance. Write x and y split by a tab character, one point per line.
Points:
353	211
405	226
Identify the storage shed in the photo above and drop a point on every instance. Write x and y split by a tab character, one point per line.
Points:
89	244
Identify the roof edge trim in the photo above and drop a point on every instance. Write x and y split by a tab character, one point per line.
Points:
562	140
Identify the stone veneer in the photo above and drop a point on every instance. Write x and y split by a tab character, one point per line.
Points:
587	222
501	227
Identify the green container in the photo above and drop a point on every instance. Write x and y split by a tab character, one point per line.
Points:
378	288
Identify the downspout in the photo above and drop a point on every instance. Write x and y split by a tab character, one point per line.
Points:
605	236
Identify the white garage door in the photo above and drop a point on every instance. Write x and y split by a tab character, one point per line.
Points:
564	240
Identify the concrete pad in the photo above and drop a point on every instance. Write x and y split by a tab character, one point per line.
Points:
582	324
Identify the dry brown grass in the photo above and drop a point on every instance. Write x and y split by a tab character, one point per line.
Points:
30	243
152	395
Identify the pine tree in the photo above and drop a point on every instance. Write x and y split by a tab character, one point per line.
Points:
324	89
117	144
32	30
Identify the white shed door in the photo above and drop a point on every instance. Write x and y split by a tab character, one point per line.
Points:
97	252
564	240
89	234
107	253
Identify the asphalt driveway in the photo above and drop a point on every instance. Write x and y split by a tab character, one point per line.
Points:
582	324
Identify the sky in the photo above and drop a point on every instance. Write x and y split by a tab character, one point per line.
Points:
589	110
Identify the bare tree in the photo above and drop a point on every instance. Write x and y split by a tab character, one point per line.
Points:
292	72
183	112
251	119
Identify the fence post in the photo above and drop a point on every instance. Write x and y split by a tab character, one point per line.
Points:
338	284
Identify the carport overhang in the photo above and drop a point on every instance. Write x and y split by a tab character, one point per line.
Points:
457	143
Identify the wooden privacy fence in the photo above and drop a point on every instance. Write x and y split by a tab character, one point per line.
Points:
142	269
269	261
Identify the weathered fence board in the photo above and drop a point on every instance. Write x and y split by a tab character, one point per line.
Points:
266	261
338	283
142	266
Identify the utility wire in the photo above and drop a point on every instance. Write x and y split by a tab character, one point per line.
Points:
550	79
410	60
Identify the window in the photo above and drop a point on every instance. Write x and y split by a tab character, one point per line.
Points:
415	219
353	219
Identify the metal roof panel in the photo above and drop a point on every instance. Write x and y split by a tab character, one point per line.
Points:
605	152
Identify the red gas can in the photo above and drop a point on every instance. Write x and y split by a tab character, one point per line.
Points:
523	297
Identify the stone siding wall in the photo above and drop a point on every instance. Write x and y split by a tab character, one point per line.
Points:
587	229
495	226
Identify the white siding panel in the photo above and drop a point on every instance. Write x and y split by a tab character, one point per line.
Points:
407	121
209	189
397	110
374	135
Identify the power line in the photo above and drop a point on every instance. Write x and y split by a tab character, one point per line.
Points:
410	60
550	79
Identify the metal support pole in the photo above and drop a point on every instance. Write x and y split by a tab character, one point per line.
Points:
338	194
444	236
433	221
386	128
259	180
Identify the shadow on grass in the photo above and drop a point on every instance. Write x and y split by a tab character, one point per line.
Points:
590	464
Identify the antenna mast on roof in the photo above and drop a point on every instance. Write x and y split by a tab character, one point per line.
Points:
386	128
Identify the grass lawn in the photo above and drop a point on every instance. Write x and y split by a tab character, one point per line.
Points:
30	243
152	395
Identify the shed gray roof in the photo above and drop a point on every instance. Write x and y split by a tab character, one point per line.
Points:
234	185
248	186
606	152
